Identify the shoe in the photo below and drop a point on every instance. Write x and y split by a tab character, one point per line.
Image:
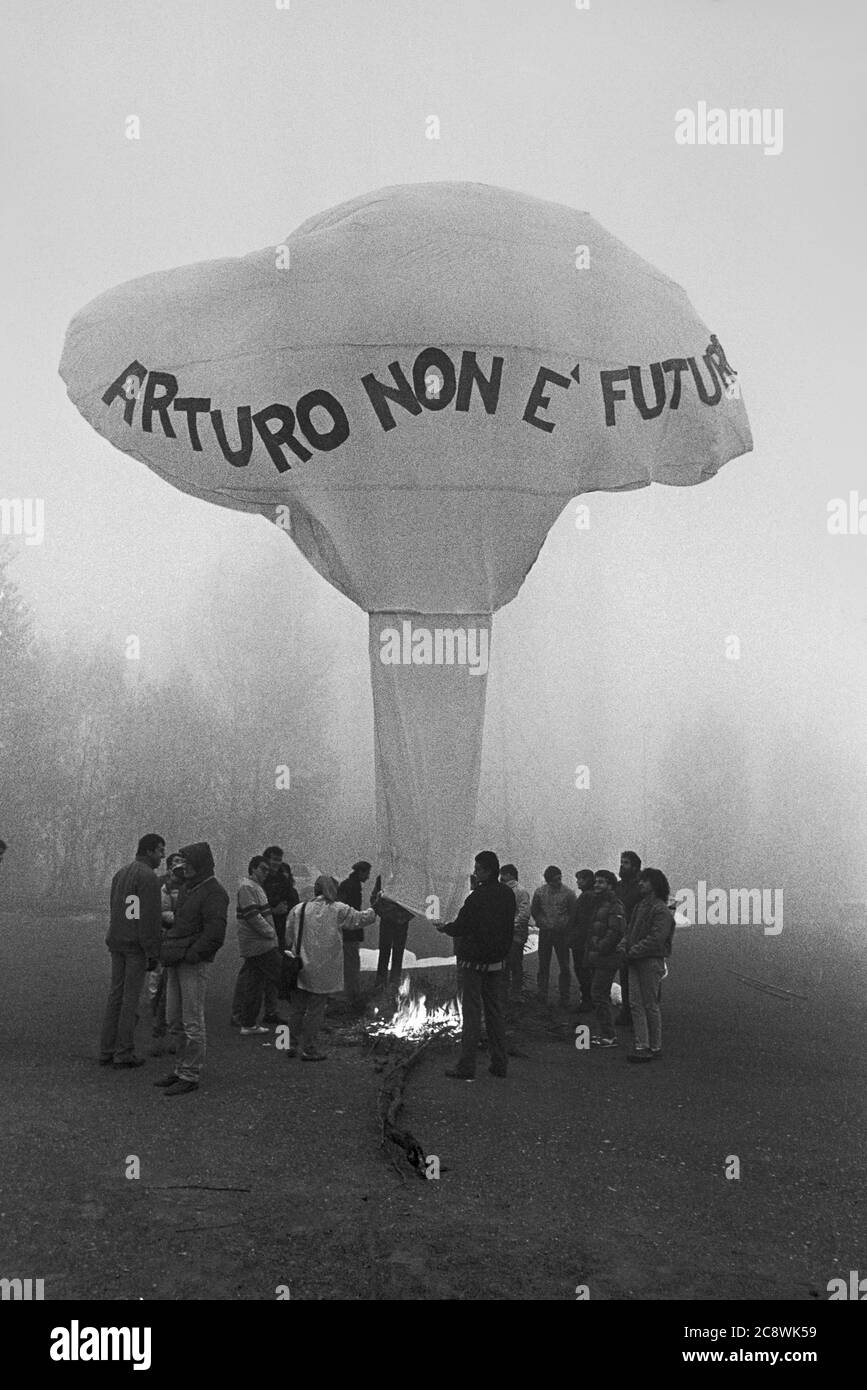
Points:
314	1056
608	1042
642	1056
495	1071
168	1080
245	1032
459	1075
595	1041
128	1062
656	1054
181	1088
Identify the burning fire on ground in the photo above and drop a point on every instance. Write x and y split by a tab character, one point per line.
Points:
413	1019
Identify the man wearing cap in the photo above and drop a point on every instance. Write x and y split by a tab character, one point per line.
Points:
349	892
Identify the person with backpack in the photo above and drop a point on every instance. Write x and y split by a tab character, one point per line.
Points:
315	934
648	943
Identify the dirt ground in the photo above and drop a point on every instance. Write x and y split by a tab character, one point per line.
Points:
575	1170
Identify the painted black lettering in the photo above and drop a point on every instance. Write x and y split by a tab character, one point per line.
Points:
153	404
380	394
283	437
699	384
240	457
678	365
436	359
612	393
488	387
539	401
193	406
117	389
322	439
648	412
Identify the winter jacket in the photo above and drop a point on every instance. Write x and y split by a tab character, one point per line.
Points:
322	941
585	911
199	928
142	930
629	894
256	933
350	891
485	926
553	907
279	888
606	934
651	930
522	911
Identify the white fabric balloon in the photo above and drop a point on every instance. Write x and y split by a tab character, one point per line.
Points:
413	385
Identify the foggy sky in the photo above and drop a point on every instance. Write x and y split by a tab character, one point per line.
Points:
254	118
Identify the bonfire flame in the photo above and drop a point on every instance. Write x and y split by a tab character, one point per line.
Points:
413	1019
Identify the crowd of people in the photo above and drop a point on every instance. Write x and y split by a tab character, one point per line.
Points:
610	927
165	930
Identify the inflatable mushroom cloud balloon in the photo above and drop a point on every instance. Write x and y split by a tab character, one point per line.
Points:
421	378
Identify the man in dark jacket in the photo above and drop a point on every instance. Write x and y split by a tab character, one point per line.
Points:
282	896
350	892
483	931
584	914
629	894
189	945
133	940
394	923
604	954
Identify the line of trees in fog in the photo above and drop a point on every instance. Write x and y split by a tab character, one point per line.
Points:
92	755
268	670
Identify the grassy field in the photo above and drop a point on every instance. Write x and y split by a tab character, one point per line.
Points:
577	1170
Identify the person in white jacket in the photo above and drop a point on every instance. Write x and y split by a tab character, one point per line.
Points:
325	920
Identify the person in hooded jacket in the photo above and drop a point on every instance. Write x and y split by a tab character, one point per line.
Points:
321	925
189	945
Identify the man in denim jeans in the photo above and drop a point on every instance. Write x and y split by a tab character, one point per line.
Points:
189	946
133	940
483	931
